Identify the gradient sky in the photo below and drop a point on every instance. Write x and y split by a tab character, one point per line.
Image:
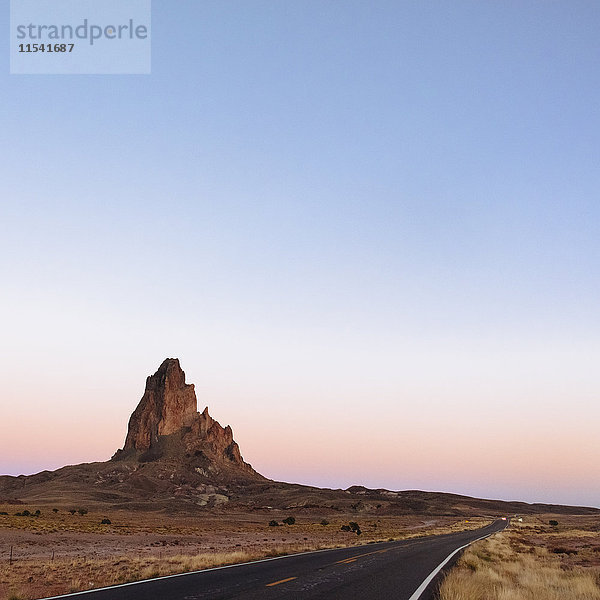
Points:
369	231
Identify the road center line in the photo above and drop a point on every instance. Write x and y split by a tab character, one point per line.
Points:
280	581
353	558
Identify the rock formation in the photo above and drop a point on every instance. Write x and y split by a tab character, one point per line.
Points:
167	425
168	404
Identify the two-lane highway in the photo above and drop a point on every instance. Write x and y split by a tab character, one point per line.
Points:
397	570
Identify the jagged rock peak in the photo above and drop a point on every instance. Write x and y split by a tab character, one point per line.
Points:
168	407
168	404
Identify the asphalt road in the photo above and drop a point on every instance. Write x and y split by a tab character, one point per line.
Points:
393	570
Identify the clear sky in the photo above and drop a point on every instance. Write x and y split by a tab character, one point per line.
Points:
369	231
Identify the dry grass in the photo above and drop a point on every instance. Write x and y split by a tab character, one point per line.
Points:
522	564
31	579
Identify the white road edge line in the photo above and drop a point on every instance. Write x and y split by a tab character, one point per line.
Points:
417	593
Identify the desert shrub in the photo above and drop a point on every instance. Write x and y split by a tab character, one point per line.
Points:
3	513
105	522
25	513
273	523
38	512
82	511
352	526
73	511
289	520
55	510
324	522
553	523
355	527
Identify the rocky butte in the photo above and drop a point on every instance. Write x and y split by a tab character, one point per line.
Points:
166	426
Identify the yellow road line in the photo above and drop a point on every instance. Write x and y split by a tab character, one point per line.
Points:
280	581
353	558
345	561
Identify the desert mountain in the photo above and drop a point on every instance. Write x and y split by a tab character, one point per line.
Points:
167	426
177	459
173	457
